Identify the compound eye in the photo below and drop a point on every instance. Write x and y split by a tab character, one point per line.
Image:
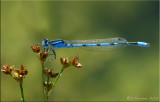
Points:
46	41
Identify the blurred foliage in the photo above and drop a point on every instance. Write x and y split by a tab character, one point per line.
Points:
106	76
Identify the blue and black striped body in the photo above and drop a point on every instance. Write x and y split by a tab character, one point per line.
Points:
98	43
67	44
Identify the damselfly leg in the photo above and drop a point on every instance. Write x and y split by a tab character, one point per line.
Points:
52	54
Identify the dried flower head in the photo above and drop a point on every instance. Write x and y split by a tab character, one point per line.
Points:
66	63
49	73
75	62
48	87
36	48
43	55
15	75
22	71
7	69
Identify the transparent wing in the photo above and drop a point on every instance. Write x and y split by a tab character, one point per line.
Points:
98	41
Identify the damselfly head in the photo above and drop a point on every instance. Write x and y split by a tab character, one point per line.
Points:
45	43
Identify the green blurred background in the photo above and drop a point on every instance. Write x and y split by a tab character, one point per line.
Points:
115	75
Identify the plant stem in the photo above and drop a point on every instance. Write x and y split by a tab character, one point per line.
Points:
42	72
43	80
11	75
21	87
47	89
57	78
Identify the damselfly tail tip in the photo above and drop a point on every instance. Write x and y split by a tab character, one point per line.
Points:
148	44
144	44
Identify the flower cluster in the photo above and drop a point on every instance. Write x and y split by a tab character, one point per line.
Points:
48	86
22	71
66	63
17	74
36	48
7	69
49	73
42	55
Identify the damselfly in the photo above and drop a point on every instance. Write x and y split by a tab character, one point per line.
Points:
95	44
